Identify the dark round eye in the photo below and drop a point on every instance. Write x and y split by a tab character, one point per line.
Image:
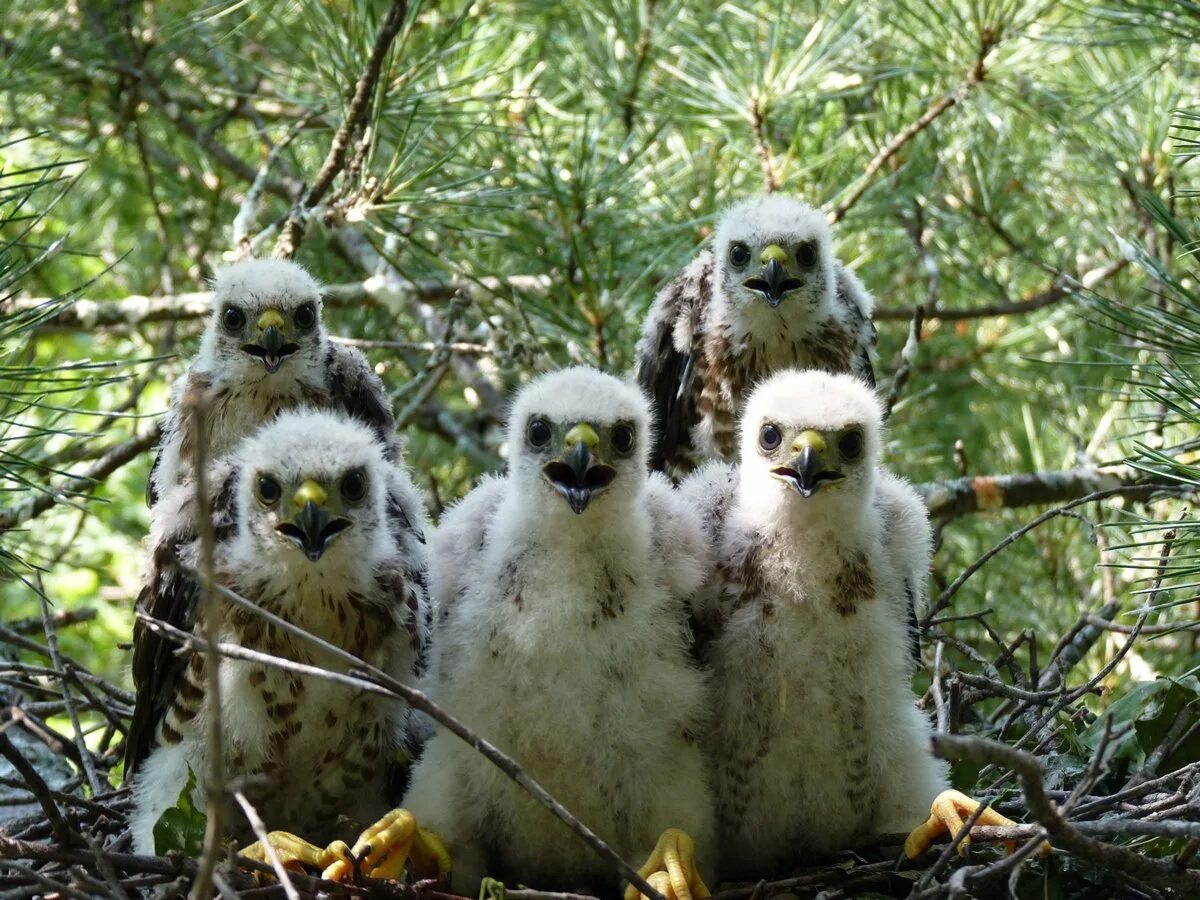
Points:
233	318
539	433
622	438
305	317
806	254
354	486
850	444
268	490
739	254
769	437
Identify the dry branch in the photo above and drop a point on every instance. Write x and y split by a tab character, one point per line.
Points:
397	293
1063	834
136	310
987	493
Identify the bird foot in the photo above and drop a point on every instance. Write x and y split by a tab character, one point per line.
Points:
382	850
293	852
671	869
946	815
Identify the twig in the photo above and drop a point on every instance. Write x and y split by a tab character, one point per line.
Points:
641	55
260	833
978	72
85	755
60	618
758	121
908	356
1161	873
947	595
464	347
356	113
939	702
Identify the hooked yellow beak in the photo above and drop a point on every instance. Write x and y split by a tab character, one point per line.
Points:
773	281
268	318
806	471
272	347
312	528
579	474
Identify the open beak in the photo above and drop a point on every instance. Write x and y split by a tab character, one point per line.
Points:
773	282
272	346
578	474
806	472
312	528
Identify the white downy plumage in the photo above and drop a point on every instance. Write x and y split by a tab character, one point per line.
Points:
561	636
816	740
320	548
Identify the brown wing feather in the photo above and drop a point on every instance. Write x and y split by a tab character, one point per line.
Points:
169	595
359	392
667	359
855	307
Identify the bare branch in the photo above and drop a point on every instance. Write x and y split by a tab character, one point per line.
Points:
988	493
1160	873
394	294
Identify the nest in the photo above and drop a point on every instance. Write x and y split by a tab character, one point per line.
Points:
1117	794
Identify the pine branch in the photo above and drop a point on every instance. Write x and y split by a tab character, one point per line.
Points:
136	310
112	460
1064	286
356	114
987	40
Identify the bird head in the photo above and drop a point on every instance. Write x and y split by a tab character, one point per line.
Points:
582	436
312	491
811	437
266	320
774	259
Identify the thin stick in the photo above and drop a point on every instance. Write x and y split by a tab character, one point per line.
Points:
214	787
356	114
260	832
85	755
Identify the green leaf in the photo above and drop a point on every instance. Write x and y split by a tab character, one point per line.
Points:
181	828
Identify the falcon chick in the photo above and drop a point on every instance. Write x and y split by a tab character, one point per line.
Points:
817	741
301	513
265	350
769	295
561	636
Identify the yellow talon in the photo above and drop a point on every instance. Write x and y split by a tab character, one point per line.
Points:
671	869
946	815
293	852
386	846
